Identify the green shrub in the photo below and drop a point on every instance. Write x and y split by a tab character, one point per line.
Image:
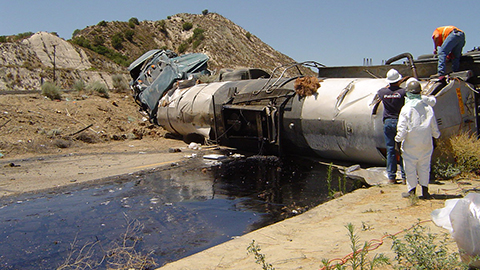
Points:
102	23
76	32
98	88
23	35
117	40
79	85
358	258
182	48
51	91
99	48
205	12
197	37
129	35
82	41
118	82
445	170
162	26
98	40
423	250
132	22
196	43
198	34
187	26
248	35
3	39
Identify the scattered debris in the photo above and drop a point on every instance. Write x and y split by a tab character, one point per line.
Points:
194	146
214	156
174	150
11	164
83	129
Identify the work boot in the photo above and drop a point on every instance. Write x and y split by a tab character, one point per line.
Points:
425	194
411	192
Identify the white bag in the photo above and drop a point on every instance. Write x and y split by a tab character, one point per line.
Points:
462	218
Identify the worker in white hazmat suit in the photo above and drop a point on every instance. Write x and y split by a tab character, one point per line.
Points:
416	127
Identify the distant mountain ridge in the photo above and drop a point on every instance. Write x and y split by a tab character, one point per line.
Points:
25	64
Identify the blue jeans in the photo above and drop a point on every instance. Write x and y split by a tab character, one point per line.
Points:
390	130
452	44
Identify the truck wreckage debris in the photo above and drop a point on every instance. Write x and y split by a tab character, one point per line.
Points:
333	115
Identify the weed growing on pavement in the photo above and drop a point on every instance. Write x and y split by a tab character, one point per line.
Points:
423	250
342	183
254	249
329	180
445	170
357	259
413	200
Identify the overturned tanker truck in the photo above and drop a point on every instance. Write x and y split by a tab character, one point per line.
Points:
250	109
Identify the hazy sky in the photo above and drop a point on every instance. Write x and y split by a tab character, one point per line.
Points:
333	32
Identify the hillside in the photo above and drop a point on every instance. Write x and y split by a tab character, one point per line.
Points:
227	44
26	64
98	52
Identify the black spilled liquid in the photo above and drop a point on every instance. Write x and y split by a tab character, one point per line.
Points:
162	215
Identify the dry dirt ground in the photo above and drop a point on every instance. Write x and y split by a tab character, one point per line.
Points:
32	125
47	144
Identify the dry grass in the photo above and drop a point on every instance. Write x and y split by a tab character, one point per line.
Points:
456	156
466	151
124	255
121	255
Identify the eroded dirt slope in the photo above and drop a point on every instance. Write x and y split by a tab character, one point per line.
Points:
31	124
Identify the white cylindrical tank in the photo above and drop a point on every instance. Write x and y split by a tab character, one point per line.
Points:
188	110
342	121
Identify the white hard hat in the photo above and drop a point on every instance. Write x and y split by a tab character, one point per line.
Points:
393	76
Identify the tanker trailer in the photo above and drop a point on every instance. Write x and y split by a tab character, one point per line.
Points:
342	120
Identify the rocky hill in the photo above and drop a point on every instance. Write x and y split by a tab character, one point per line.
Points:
25	64
98	52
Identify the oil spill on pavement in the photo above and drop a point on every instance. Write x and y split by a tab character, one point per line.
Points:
166	214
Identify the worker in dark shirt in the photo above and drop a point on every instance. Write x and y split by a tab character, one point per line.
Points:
393	98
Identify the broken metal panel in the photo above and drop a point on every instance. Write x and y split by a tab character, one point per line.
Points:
159	74
455	108
242	74
135	67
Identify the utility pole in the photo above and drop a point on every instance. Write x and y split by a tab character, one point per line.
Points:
54	50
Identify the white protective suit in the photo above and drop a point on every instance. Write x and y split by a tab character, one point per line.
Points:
416	127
